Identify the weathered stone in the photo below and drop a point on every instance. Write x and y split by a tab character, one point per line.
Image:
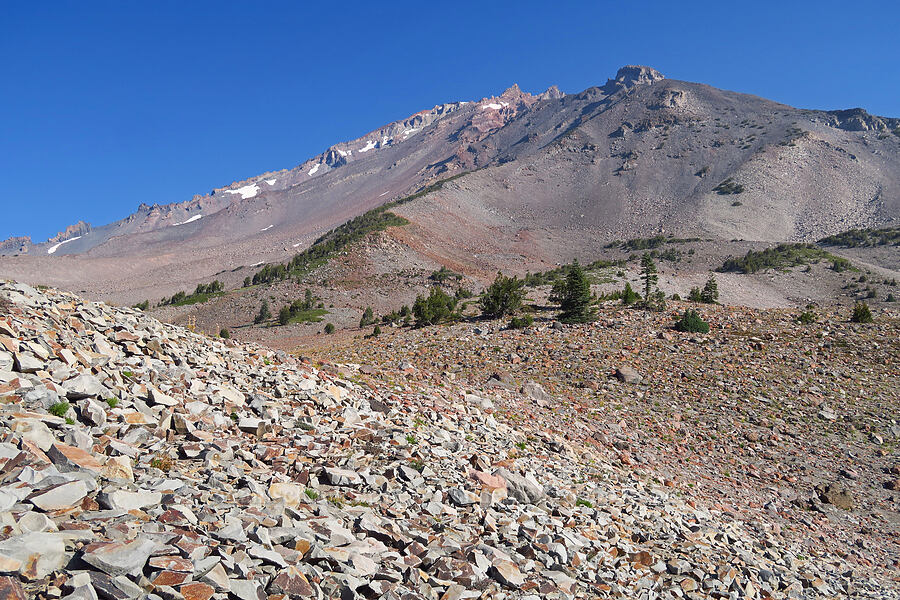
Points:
83	386
69	458
125	500
59	497
37	554
627	374
119	558
291	582
837	495
522	488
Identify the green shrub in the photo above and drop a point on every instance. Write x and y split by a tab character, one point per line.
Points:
520	322
807	317
692	322
728	187
695	295
434	309
861	313
444	274
890	298
329	328
112	402
60	409
224	333
376	331
503	297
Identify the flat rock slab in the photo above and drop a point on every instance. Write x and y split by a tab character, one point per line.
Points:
117	558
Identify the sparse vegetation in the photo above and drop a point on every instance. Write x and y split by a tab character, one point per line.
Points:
807	317
225	334
329	328
202	293
867	238
444	274
628	295
142	306
163	462
710	292
782	256
727	187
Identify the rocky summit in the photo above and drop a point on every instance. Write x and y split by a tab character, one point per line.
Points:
142	460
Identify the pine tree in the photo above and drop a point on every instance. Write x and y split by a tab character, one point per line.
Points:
573	294
710	293
263	314
503	297
648	275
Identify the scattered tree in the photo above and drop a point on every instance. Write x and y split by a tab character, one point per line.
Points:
367	318
263	314
710	293
629	296
648	275
247	282
434	309
503	297
573	294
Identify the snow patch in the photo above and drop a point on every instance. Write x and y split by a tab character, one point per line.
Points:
55	247
410	132
267	228
370	145
315	168
248	191
191	220
494	106
271	181
296	245
342	153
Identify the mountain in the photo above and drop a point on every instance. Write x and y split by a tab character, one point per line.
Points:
537	180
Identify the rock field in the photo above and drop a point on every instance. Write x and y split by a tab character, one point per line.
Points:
141	460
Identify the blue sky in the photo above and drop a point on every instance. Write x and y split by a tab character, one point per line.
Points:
104	105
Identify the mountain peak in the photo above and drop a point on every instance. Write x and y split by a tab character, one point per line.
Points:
632	75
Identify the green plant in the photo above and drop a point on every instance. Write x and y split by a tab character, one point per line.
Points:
782	256
728	187
861	313
376	331
807	317
520	445
70	421
142	306
573	294
443	274
434	309
112	402
311	494
163	462
367	317
710	292
648	275
127	374
503	297
585	503
629	296
264	314
247	282
890	298
411	439
59	409
329	328
521	322
691	322
225	334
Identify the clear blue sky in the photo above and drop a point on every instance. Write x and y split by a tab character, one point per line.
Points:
104	105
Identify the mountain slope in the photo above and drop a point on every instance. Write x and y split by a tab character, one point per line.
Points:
549	177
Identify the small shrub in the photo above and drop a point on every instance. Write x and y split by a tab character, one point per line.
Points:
729	186
675	297
520	322
225	334
329	328
585	503
807	317
163	462
112	402
376	331
692	322
890	298
694	295
60	409
861	313
311	494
